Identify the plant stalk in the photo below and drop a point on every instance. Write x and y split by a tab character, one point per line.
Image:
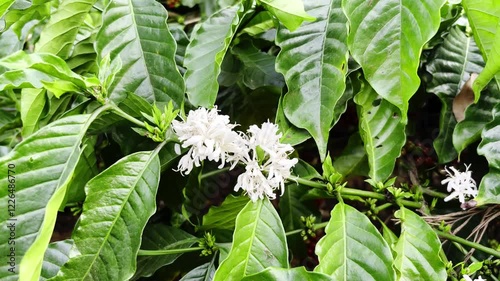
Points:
168	252
466	242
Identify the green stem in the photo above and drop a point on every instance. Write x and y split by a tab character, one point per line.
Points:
434	193
356	192
168	252
123	114
466	242
213	173
382	207
316	226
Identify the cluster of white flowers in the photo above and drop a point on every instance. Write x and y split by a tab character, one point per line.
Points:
210	136
462	184
467	278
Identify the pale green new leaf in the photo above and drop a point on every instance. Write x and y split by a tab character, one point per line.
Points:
297	273
115	212
489	189
45	161
382	132
313	60
451	67
258	242
135	32
224	216
353	249
60	32
386	38
289	12
27	11
32	104
484	18
4	6
57	255
417	250
204	55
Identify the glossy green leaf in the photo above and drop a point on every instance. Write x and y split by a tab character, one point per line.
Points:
353	249
477	116
161	237
32	104
204	272
9	43
484	18
417	250
382	131
259	24
313	60
4	6
224	216
492	67
182	42
38	71
291	134
386	38
115	212
135	32
289	12
17	17
353	159
204	55
489	189
56	256
451	67
45	161
61	30
297	273
258	242
291	207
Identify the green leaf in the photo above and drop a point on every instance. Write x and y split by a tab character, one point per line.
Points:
489	189
204	272
17	17
477	116
259	24
258	70
417	250
451	67
382	131
492	68
204	55
259	241
60	32
45	161
353	159
135	32
291	134
224	216
115	212
32	104
297	273
386	38
290	13
161	237
291	207
313	60
485	22
4	6
56	256
353	249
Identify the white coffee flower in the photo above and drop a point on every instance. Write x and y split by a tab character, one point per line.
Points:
462	184
209	136
467	278
267	163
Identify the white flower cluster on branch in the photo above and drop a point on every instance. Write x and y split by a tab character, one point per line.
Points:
209	135
462	184
467	278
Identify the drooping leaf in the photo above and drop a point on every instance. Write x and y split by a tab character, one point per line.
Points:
291	134
489	189
290	13
297	273
353	159
161	237
477	116
417	250
313	60
32	104
45	161
39	71
224	216
204	272
382	131
386	38
204	55
492	67
484	18
353	249
56	256
114	215
291	207
259	24
451	67
60	32
135	32
259	241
